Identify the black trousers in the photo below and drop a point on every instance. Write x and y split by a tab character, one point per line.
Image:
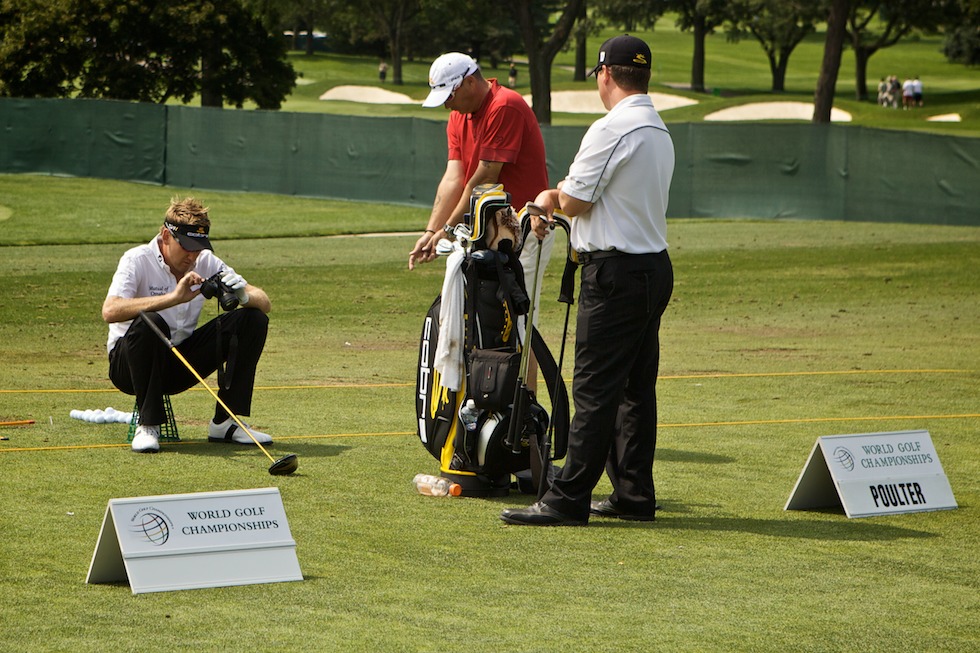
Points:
141	364
617	358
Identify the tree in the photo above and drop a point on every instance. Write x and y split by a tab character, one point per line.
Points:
823	97
482	29
628	14
543	39
392	18
876	24
701	18
148	52
962	43
303	15
41	53
585	26
778	25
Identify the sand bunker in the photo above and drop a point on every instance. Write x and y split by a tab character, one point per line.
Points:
946	117
775	111
367	94
561	101
589	102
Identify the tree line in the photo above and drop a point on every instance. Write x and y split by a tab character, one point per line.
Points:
233	51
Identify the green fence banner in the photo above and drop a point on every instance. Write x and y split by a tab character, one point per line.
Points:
763	170
84	138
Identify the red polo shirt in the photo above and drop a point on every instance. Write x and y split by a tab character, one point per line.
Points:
503	129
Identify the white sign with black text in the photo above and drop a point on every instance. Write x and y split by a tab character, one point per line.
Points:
191	541
873	474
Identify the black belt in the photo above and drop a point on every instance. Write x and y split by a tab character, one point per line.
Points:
585	258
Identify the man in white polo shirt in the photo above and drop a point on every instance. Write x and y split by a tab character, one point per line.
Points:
616	193
163	279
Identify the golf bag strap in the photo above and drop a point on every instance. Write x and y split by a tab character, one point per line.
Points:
510	279
466	440
556	390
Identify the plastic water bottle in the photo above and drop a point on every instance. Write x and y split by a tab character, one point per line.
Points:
436	486
468	415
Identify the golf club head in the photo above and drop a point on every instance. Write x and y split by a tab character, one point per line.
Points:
285	465
534	209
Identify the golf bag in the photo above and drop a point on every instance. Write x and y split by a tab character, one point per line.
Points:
464	422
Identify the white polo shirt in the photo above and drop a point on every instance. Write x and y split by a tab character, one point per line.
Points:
142	272
623	167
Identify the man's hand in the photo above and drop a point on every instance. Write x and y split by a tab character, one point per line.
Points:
425	248
542	211
236	283
187	288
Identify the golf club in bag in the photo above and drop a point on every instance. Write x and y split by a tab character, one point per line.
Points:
464	418
281	467
543	454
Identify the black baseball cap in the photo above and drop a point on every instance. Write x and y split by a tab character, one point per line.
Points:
192	237
624	50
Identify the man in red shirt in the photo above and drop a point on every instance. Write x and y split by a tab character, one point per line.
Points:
493	138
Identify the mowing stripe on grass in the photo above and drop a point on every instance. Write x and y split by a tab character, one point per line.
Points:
328	386
665	377
803	420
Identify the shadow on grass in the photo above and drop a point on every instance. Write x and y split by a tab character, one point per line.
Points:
678	456
676	516
251	455
807	529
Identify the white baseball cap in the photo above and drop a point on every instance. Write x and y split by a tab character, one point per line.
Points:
446	74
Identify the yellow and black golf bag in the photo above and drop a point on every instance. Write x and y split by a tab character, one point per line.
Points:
471	429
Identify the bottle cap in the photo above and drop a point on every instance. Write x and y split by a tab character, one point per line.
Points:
455	489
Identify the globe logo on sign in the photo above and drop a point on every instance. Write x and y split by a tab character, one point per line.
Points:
844	458
152	526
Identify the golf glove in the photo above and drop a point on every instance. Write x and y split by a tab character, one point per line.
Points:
236	283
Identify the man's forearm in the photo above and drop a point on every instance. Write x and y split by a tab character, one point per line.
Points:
121	309
443	207
488	172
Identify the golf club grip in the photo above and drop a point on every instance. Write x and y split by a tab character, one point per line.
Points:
153	325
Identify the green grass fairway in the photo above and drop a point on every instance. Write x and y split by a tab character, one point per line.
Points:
779	332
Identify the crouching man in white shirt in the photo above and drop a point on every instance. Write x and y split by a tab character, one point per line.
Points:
163	279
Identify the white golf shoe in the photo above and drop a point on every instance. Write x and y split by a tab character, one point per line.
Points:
228	431
146	439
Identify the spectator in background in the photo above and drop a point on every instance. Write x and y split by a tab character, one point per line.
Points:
908	95
917	91
382	70
883	99
512	76
894	90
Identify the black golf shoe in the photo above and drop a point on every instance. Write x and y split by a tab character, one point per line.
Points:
539	514
605	508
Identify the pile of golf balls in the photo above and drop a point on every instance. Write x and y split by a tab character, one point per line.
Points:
108	416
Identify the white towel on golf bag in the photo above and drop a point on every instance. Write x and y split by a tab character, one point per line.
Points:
449	352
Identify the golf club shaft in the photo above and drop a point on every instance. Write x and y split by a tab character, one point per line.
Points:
520	404
214	394
529	322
